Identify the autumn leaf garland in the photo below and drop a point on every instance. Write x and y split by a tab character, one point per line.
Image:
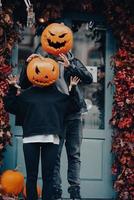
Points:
123	124
8	36
122	121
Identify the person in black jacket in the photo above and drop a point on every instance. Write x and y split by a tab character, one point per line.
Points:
73	128
42	111
73	125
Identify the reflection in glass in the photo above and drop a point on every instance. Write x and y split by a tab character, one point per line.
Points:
89	47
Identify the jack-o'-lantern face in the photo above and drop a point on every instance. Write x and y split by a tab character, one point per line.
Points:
42	72
57	38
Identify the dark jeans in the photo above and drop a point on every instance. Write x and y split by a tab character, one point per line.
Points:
73	144
48	157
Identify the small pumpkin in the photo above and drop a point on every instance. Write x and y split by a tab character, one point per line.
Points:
39	191
57	38
42	72
12	182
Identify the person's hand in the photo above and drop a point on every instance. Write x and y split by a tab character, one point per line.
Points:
12	80
34	55
65	61
73	82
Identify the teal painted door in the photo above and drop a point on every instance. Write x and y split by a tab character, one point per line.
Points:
96	180
95	52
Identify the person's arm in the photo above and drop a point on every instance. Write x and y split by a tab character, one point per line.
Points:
76	68
76	101
10	100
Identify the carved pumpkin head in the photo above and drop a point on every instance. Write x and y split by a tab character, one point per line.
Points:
57	38
42	72
12	182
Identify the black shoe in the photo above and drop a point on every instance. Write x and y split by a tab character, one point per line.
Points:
57	193
74	192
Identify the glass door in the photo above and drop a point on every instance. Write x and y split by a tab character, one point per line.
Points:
89	47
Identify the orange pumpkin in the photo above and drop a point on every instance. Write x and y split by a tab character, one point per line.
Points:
42	72
39	192
57	38
12	182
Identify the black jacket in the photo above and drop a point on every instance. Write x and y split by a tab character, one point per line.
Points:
76	68
41	110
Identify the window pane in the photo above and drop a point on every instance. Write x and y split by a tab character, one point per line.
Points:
89	47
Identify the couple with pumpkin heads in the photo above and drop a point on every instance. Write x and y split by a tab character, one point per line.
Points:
49	110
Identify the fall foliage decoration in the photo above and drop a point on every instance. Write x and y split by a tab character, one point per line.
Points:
122	121
57	38
42	71
12	182
8	36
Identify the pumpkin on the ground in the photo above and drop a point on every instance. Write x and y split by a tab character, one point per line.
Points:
57	38
12	182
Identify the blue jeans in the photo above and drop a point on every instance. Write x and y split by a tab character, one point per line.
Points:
73	145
